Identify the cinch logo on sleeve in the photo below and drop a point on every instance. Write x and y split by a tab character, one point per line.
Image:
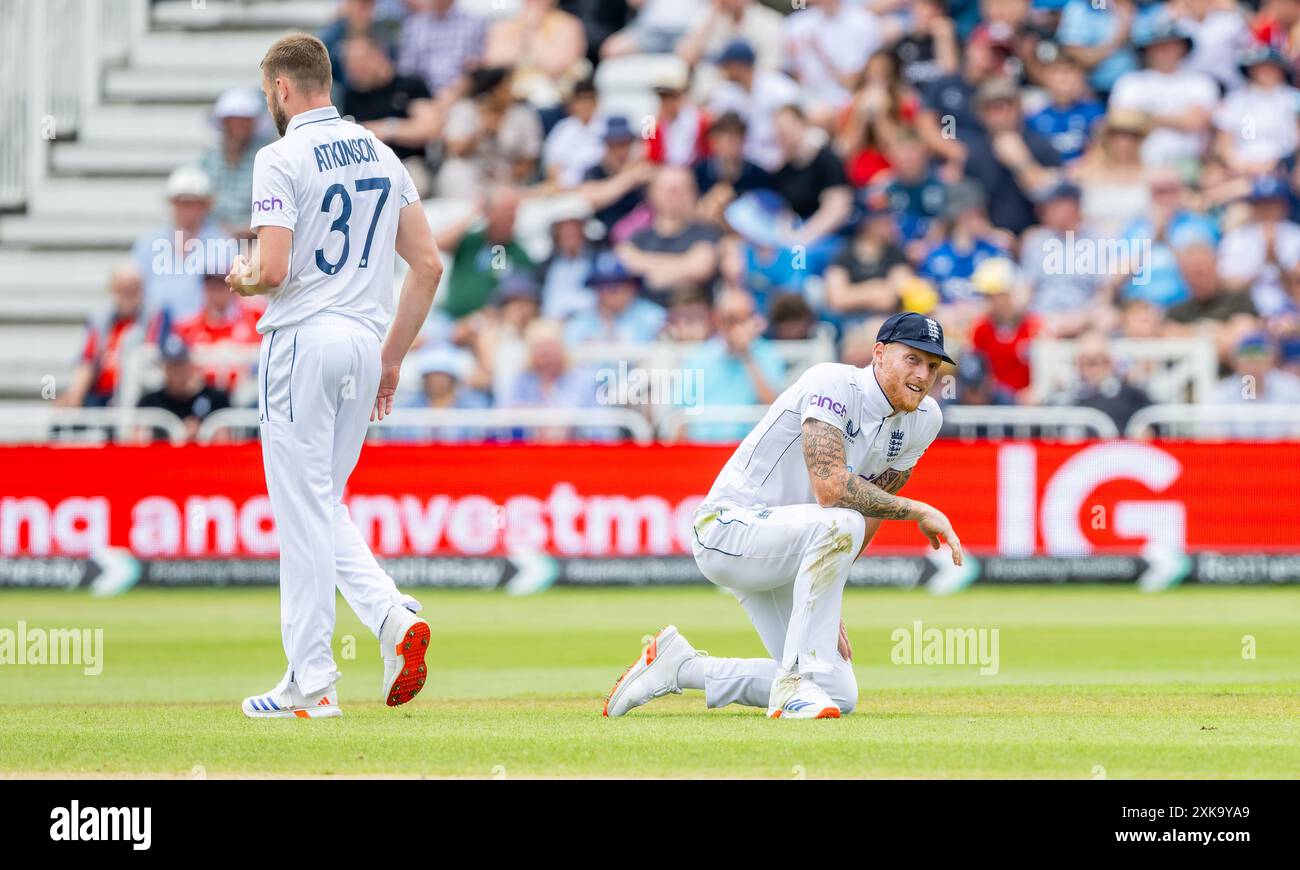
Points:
828	403
271	203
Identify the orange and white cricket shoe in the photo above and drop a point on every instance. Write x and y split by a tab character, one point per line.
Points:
286	701
794	697
653	674
403	641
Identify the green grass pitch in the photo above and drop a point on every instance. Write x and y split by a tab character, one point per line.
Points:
1093	682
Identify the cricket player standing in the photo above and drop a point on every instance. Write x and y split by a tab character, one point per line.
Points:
330	204
793	507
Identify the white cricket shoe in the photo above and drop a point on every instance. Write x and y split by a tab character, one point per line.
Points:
286	700
796	698
403	641
652	675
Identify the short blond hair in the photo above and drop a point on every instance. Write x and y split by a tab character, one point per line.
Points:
302	59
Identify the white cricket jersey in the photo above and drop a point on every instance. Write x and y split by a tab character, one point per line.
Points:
340	190
768	467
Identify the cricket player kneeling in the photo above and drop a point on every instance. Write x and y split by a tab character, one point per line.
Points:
330	204
792	509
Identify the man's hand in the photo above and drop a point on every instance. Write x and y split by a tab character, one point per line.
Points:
240	278
387	389
846	648
935	526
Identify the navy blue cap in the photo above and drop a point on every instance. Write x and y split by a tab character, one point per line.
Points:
173	349
1268	187
617	129
606	269
915	330
736	51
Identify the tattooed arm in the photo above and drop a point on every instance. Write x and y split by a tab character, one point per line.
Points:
836	486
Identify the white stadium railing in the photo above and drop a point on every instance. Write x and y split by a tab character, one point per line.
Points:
424	423
1250	421
1170	369
45	423
1027	421
672	424
52	53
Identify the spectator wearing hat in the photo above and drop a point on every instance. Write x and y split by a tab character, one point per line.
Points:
1111	174
225	326
564	274
976	384
229	165
679	135
184	392
1067	120
439	43
1010	161
398	109
755	95
740	366
948	117
1257	380
1098	39
1253	256
489	137
1167	228
865	277
443	370
762	257
518	303
577	142
357	18
812	180
968	240
1179	101
620	314
724	174
1100	386
109	338
174	258
615	187
827	44
1257	124
481	256
1068	298
1007	329
675	248
724	22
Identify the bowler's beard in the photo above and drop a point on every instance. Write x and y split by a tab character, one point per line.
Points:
278	115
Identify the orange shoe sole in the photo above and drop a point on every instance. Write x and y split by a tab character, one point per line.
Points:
649	654
411	648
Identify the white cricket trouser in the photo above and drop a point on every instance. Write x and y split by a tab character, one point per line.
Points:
787	566
318	383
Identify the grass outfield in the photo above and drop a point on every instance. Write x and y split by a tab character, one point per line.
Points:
1092	682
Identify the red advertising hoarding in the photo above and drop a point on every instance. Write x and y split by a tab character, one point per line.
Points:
1013	498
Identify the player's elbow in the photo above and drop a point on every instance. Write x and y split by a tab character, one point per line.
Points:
829	491
273	275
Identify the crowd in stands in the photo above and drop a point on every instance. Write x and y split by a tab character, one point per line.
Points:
1017	169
